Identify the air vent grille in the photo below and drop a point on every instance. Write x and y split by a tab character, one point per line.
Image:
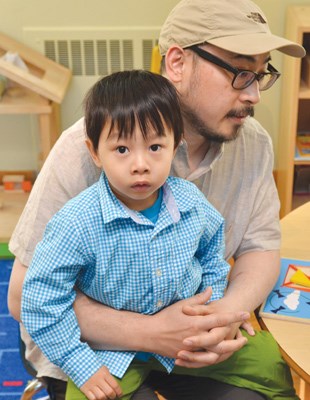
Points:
95	52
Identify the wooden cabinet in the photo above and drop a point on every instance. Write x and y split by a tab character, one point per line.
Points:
293	175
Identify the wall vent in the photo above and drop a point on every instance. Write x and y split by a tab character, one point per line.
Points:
95	51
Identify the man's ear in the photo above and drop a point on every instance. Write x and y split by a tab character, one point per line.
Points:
93	153
176	148
174	63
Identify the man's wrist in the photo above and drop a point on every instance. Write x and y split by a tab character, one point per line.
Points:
226	304
146	333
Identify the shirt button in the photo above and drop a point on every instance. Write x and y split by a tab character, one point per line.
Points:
159	303
159	272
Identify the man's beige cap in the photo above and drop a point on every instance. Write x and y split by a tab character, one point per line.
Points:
235	25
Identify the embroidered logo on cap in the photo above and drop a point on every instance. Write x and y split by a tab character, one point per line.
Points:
257	18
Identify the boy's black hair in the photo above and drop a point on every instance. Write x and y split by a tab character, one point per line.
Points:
129	97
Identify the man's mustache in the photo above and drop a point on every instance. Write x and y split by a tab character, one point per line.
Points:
245	112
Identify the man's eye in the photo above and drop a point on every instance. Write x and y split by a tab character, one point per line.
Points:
155	147
246	75
122	149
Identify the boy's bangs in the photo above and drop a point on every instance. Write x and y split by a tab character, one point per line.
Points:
125	121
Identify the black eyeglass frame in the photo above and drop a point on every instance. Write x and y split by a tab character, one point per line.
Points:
220	63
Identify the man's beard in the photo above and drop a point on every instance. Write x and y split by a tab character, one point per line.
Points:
202	129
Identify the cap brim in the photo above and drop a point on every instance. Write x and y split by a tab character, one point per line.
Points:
258	43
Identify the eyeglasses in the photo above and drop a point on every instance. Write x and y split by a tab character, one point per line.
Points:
242	77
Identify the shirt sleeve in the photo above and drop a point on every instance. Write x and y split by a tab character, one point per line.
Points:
215	269
47	301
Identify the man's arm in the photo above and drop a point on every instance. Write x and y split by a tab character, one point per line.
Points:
161	333
15	288
164	332
252	278
257	260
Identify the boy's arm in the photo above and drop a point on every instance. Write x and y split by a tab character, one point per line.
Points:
210	254
47	300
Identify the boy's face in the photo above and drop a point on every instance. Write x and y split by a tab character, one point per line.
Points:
135	167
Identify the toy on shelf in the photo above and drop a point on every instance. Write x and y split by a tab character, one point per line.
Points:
16	183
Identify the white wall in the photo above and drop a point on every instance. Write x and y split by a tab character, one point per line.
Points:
18	134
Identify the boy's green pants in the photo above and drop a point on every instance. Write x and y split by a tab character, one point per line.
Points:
257	366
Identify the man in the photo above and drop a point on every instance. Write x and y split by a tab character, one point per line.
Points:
216	53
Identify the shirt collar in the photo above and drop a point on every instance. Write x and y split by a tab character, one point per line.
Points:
180	165
175	188
112	208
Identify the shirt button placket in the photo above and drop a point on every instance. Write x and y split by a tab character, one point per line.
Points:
159	303
158	272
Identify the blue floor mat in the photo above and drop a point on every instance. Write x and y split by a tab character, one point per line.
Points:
13	375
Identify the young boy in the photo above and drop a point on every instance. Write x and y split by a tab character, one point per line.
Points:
136	240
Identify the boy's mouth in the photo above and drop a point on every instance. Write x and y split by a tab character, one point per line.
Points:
140	186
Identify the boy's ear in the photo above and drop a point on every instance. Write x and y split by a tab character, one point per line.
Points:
93	153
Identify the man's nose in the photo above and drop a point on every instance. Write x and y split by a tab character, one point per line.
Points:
251	94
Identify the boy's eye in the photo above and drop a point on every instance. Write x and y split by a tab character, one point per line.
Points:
122	149
155	147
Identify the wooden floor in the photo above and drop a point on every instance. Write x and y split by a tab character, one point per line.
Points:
11	207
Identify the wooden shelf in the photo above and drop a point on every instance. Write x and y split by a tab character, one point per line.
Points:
295	113
301	162
19	100
304	91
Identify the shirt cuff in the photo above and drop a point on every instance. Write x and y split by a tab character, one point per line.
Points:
81	365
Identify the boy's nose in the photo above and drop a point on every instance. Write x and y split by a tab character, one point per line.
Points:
140	165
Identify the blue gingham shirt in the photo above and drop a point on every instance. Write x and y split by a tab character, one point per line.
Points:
120	258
